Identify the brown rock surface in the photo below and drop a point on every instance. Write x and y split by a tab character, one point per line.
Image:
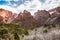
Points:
42	15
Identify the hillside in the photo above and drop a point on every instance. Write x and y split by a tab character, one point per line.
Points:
43	25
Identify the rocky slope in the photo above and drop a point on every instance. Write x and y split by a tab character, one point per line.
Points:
7	15
52	34
25	17
48	31
55	14
42	16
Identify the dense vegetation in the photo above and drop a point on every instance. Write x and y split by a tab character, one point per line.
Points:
8	30
14	31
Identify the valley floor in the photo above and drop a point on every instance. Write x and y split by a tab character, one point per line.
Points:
43	33
17	32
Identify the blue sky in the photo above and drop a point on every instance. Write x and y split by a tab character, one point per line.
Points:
18	2
32	6
12	2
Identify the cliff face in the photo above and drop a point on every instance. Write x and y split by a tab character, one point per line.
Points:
25	17
55	14
1	19
7	16
42	16
5	13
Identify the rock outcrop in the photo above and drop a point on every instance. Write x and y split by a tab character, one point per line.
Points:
8	16
42	16
1	19
25	19
55	16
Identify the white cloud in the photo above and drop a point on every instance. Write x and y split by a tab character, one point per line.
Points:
49	4
15	0
31	6
14	10
9	0
35	5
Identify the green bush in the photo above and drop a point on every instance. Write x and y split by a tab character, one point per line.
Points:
46	25
59	28
49	27
22	35
45	31
53	25
16	37
4	31
26	32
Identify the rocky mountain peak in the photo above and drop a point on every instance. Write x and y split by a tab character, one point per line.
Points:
42	13
5	13
58	9
26	13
